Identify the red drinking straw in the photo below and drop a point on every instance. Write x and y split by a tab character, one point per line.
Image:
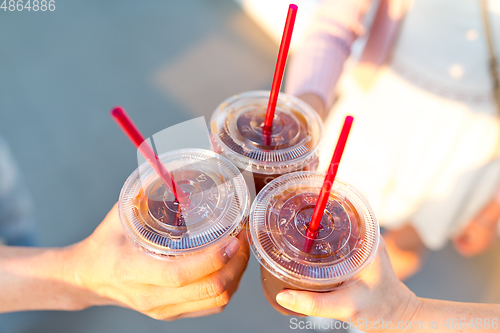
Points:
278	72
128	127
319	209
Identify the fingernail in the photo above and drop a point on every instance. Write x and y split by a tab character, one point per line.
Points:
284	298
232	248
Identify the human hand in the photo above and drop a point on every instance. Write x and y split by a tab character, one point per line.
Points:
316	103
113	272
377	295
480	233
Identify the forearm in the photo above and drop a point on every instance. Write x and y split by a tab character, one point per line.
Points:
441	316
459	317
317	65
35	279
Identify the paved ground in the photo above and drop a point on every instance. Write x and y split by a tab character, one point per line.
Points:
165	62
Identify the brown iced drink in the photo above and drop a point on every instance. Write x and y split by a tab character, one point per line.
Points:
236	131
347	238
158	225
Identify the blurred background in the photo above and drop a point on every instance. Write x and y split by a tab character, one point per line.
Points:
165	62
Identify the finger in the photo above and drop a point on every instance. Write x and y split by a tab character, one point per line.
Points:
209	287
142	269
195	308
195	314
465	234
471	248
334	304
202	313
189	271
340	304
243	237
185	272
464	243
460	241
466	251
304	302
216	283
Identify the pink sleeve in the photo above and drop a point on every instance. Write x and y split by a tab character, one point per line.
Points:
317	65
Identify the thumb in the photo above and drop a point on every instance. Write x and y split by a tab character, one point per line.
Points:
324	305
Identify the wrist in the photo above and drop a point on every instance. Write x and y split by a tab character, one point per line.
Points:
403	306
315	102
69	293
34	279
75	273
407	306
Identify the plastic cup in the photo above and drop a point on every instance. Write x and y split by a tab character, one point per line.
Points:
297	132
347	239
154	221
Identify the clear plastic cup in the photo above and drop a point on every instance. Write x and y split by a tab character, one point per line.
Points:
154	221
297	132
347	240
